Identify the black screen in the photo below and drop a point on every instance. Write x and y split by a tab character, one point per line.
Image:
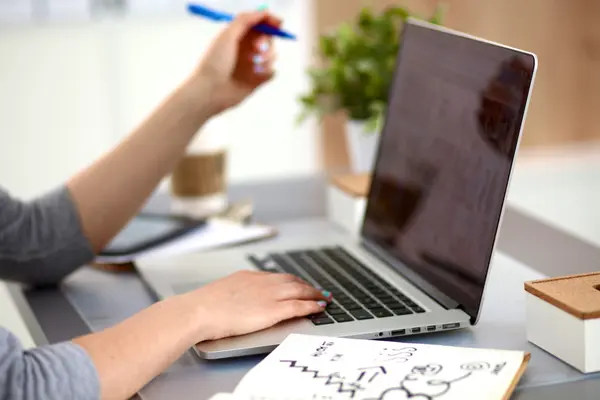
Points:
446	150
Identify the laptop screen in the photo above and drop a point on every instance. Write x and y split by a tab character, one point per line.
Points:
454	117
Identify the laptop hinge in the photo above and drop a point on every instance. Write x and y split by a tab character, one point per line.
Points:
411	276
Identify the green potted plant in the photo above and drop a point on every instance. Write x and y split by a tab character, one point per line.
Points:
358	61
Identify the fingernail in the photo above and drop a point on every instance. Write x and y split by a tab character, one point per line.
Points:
322	303
257	59
264	46
259	69
326	293
262	7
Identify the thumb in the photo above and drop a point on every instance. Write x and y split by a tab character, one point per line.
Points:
246	21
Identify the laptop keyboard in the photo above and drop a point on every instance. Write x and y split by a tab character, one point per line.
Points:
358	293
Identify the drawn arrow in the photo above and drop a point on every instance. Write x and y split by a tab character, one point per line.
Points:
364	373
383	370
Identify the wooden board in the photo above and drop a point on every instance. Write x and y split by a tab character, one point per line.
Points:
578	295
518	376
356	185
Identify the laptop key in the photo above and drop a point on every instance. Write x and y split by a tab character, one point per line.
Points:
361	314
351	306
319	316
322	321
393	304
374	307
343	258
367	288
381	312
335	311
371	303
401	311
343	317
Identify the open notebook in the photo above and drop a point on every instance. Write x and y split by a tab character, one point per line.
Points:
318	368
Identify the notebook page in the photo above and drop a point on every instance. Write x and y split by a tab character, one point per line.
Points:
312	367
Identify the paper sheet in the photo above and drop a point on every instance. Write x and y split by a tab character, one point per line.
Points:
312	367
216	233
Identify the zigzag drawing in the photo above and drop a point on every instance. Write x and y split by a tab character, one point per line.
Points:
341	386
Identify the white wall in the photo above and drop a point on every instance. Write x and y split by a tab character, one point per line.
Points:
70	91
561	187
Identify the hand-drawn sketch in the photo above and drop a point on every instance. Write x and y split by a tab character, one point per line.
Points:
418	385
371	373
334	380
498	368
476	366
337	357
380	371
399	355
322	349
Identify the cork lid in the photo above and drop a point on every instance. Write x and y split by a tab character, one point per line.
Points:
578	295
356	185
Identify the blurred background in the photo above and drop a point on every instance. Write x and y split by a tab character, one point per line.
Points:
78	75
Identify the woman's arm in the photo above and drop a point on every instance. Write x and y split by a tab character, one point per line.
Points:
112	190
115	363
43	241
119	361
130	354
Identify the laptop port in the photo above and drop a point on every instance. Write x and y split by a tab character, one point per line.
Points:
431	328
399	332
415	330
451	326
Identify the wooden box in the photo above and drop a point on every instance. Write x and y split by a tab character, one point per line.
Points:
347	199
563	318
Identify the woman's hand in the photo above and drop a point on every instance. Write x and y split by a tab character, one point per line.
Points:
238	61
249	301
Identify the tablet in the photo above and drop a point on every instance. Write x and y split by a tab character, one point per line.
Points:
146	231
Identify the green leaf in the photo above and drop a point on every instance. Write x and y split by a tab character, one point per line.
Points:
358	63
438	15
399	12
345	33
327	46
365	19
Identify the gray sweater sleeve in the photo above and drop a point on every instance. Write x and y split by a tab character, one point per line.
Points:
62	371
41	242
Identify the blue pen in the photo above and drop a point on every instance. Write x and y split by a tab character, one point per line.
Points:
219	16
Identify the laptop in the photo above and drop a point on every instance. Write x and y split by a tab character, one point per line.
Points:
455	114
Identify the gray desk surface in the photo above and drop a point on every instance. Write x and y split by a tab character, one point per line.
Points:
90	300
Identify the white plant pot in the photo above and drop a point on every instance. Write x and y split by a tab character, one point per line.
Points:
362	146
